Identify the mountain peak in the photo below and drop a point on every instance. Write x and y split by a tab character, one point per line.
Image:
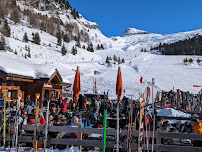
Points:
133	31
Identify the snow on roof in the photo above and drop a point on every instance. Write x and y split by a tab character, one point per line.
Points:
11	63
133	31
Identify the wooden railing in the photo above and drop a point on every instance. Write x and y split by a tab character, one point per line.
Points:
158	146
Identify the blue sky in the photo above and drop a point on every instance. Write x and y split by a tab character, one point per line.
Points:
155	16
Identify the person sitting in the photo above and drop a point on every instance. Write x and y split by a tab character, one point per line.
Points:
23	118
197	128
41	119
159	124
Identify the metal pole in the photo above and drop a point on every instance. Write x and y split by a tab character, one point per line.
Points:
46	127
139	130
117	127
153	113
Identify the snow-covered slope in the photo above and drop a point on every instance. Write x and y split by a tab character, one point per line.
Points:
168	71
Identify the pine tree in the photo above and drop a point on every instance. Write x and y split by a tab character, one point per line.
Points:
185	60
83	47
119	60
74	13
63	51
198	61
36	38
190	60
75	38
102	47
78	44
25	37
74	50
66	38
29	55
77	14
90	47
115	59
98	47
59	41
107	60
28	49
7	29
123	60
67	5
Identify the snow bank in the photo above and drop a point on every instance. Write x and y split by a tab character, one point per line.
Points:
169	112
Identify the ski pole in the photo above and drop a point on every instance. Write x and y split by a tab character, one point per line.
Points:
46	127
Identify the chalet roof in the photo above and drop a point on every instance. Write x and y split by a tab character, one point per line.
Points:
18	67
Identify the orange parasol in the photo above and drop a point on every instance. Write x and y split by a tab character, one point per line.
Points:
77	84
119	86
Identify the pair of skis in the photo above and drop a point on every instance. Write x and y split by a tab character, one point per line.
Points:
37	96
130	129
141	126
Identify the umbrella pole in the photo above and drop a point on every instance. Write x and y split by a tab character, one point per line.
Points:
117	127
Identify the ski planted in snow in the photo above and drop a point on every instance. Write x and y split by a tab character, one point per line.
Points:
37	96
105	123
141	127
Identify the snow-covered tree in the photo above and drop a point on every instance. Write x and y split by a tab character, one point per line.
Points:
198	61
74	50
59	41
63	50
25	37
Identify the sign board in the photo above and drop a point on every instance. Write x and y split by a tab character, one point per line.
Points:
46	85
198	86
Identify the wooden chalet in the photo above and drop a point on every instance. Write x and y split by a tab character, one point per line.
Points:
14	84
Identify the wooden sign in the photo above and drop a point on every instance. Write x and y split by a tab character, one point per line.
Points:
46	85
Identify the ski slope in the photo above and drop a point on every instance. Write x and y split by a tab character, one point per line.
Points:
169	71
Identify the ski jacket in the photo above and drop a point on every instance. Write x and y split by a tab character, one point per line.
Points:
42	121
64	106
198	128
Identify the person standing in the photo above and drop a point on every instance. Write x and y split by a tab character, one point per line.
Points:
28	101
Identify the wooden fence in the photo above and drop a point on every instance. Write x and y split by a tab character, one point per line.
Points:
111	133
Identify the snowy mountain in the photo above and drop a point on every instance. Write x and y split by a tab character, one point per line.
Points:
168	71
133	31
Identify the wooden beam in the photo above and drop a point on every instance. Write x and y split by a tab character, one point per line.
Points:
85	142
18	79
110	132
171	135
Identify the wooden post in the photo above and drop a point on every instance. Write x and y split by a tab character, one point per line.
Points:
158	140
79	137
